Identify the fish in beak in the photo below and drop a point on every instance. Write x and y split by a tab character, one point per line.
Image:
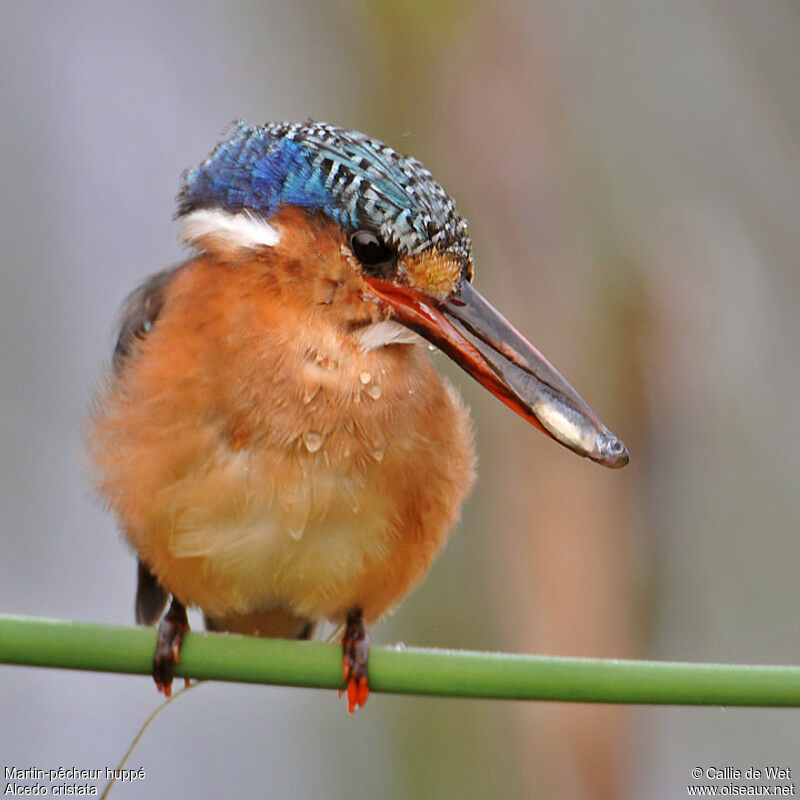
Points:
485	344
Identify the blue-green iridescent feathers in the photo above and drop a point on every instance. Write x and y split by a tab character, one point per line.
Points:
355	180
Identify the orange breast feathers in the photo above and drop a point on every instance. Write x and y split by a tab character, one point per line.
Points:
261	448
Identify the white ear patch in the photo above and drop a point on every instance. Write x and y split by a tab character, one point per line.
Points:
379	334
240	229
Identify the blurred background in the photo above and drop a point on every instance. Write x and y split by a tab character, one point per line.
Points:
631	173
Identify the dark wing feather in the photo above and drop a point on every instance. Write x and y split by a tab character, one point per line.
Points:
139	312
151	597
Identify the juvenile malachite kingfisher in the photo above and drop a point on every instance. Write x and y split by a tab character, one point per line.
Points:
272	436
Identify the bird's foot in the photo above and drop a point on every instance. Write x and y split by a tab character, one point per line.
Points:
173	627
355	653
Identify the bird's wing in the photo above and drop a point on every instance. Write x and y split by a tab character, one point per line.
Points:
137	317
151	596
139	313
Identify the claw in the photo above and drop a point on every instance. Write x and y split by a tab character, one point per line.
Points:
171	631
355	654
357	693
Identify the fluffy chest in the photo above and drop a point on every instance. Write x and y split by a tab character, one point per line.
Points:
254	459
279	532
300	486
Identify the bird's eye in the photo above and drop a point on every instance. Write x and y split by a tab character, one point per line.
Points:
372	252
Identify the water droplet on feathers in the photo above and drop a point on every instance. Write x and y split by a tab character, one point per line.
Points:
312	440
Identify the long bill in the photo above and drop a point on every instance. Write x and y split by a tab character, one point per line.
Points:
482	342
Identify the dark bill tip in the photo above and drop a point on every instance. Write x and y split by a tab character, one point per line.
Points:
613	453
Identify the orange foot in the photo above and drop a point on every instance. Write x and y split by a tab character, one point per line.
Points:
171	630
355	652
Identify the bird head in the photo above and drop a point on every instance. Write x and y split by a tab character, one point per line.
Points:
405	256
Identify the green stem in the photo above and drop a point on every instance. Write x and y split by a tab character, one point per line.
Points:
106	648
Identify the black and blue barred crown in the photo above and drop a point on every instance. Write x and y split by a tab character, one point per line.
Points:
355	180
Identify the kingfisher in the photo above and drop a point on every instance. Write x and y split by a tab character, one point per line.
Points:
272	436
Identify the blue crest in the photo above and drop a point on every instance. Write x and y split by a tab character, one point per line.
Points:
355	180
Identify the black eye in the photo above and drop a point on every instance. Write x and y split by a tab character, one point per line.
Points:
371	251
